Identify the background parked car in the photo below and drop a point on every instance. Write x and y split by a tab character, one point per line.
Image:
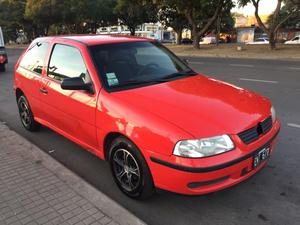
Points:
3	55
208	40
295	40
259	41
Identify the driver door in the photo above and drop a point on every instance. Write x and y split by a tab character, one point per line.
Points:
71	113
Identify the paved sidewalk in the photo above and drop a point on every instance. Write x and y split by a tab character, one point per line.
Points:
36	189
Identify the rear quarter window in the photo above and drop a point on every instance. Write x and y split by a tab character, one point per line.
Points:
34	57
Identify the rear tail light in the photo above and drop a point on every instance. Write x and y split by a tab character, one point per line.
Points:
2	58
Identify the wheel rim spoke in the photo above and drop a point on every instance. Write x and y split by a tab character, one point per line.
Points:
121	174
125	155
118	161
130	181
134	171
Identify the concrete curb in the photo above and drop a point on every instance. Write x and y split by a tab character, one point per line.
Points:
81	187
223	56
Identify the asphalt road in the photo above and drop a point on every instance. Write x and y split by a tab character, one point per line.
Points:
270	197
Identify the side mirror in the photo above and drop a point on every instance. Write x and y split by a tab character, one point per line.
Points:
76	83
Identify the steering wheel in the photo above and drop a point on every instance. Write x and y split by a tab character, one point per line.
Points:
146	67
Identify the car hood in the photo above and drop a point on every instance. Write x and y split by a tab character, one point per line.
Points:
200	105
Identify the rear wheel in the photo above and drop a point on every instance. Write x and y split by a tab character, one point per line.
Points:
26	115
130	170
2	67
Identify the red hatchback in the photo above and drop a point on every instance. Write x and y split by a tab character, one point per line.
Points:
133	103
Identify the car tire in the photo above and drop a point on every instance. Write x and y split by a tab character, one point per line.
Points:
26	115
130	170
2	68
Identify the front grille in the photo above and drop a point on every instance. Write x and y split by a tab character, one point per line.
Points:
253	133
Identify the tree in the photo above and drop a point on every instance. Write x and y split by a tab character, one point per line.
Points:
44	13
225	22
171	16
12	17
202	15
133	13
276	20
96	13
69	16
293	22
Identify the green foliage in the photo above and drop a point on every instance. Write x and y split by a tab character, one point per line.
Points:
293	22
202	15
11	17
69	16
94	13
170	15
135	12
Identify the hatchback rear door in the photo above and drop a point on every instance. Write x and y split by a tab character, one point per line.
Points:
29	73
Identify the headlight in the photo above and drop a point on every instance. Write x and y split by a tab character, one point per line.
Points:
273	113
203	147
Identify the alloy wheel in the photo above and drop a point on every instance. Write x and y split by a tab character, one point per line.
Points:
126	170
25	113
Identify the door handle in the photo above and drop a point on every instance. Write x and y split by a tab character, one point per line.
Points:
44	90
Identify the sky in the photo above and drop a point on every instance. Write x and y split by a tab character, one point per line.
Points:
265	7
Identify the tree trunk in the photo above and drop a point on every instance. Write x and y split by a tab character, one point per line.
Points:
218	30
196	41
95	27
132	31
179	37
47	30
272	40
197	32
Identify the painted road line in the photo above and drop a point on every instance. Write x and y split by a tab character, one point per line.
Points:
294	68
294	125
197	63
241	65
262	81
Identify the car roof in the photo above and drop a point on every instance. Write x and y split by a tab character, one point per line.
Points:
94	39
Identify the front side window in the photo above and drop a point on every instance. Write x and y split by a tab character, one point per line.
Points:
66	62
34	58
137	63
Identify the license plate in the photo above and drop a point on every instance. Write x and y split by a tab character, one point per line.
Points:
261	156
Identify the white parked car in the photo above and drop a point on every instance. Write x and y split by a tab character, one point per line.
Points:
259	41
295	40
208	40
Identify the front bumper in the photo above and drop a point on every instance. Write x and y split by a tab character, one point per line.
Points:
201	176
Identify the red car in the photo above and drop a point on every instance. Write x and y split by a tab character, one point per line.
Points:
135	104
3	59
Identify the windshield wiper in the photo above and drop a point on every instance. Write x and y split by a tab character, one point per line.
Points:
157	81
178	74
137	82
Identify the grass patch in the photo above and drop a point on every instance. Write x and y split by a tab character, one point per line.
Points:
291	52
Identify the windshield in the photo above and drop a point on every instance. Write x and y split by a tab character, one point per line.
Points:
134	64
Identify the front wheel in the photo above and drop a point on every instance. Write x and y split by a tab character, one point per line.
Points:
26	115
130	170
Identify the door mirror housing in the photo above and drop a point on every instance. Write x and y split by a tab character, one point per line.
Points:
76	83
